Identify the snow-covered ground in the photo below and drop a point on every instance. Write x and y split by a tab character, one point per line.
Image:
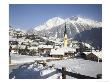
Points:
30	70
33	71
20	59
84	67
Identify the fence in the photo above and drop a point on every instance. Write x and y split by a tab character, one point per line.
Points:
76	75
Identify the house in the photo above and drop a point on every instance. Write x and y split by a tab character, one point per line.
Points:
14	46
44	49
94	56
57	52
62	52
14	49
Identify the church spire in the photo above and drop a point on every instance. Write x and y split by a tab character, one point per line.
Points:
65	37
65	32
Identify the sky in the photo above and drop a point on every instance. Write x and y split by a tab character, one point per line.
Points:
27	16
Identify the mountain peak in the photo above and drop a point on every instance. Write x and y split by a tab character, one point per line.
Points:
56	18
74	20
53	22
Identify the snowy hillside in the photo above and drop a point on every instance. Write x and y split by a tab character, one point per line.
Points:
56	21
75	25
78	28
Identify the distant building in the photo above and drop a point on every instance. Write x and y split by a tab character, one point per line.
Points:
62	52
94	56
57	52
14	45
44	49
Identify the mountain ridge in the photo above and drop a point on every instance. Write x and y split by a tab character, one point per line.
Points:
57	21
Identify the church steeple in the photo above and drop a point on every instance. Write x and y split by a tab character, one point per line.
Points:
65	32
65	37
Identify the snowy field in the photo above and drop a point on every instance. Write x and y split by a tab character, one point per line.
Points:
84	67
25	68
20	59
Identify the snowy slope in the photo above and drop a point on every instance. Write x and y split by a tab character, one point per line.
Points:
54	27
84	67
56	21
84	21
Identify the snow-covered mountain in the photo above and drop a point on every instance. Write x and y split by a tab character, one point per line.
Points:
78	28
56	21
55	27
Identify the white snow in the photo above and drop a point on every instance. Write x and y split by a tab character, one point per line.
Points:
87	45
57	52
45	46
47	71
12	39
62	50
33	48
20	59
56	21
89	22
55	76
84	67
76	28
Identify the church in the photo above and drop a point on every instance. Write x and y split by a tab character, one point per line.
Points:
64	51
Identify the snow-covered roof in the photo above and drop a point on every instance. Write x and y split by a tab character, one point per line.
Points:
61	51
20	40
98	54
33	47
57	52
45	38
25	40
12	39
14	46
88	45
57	47
69	49
75	46
45	46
